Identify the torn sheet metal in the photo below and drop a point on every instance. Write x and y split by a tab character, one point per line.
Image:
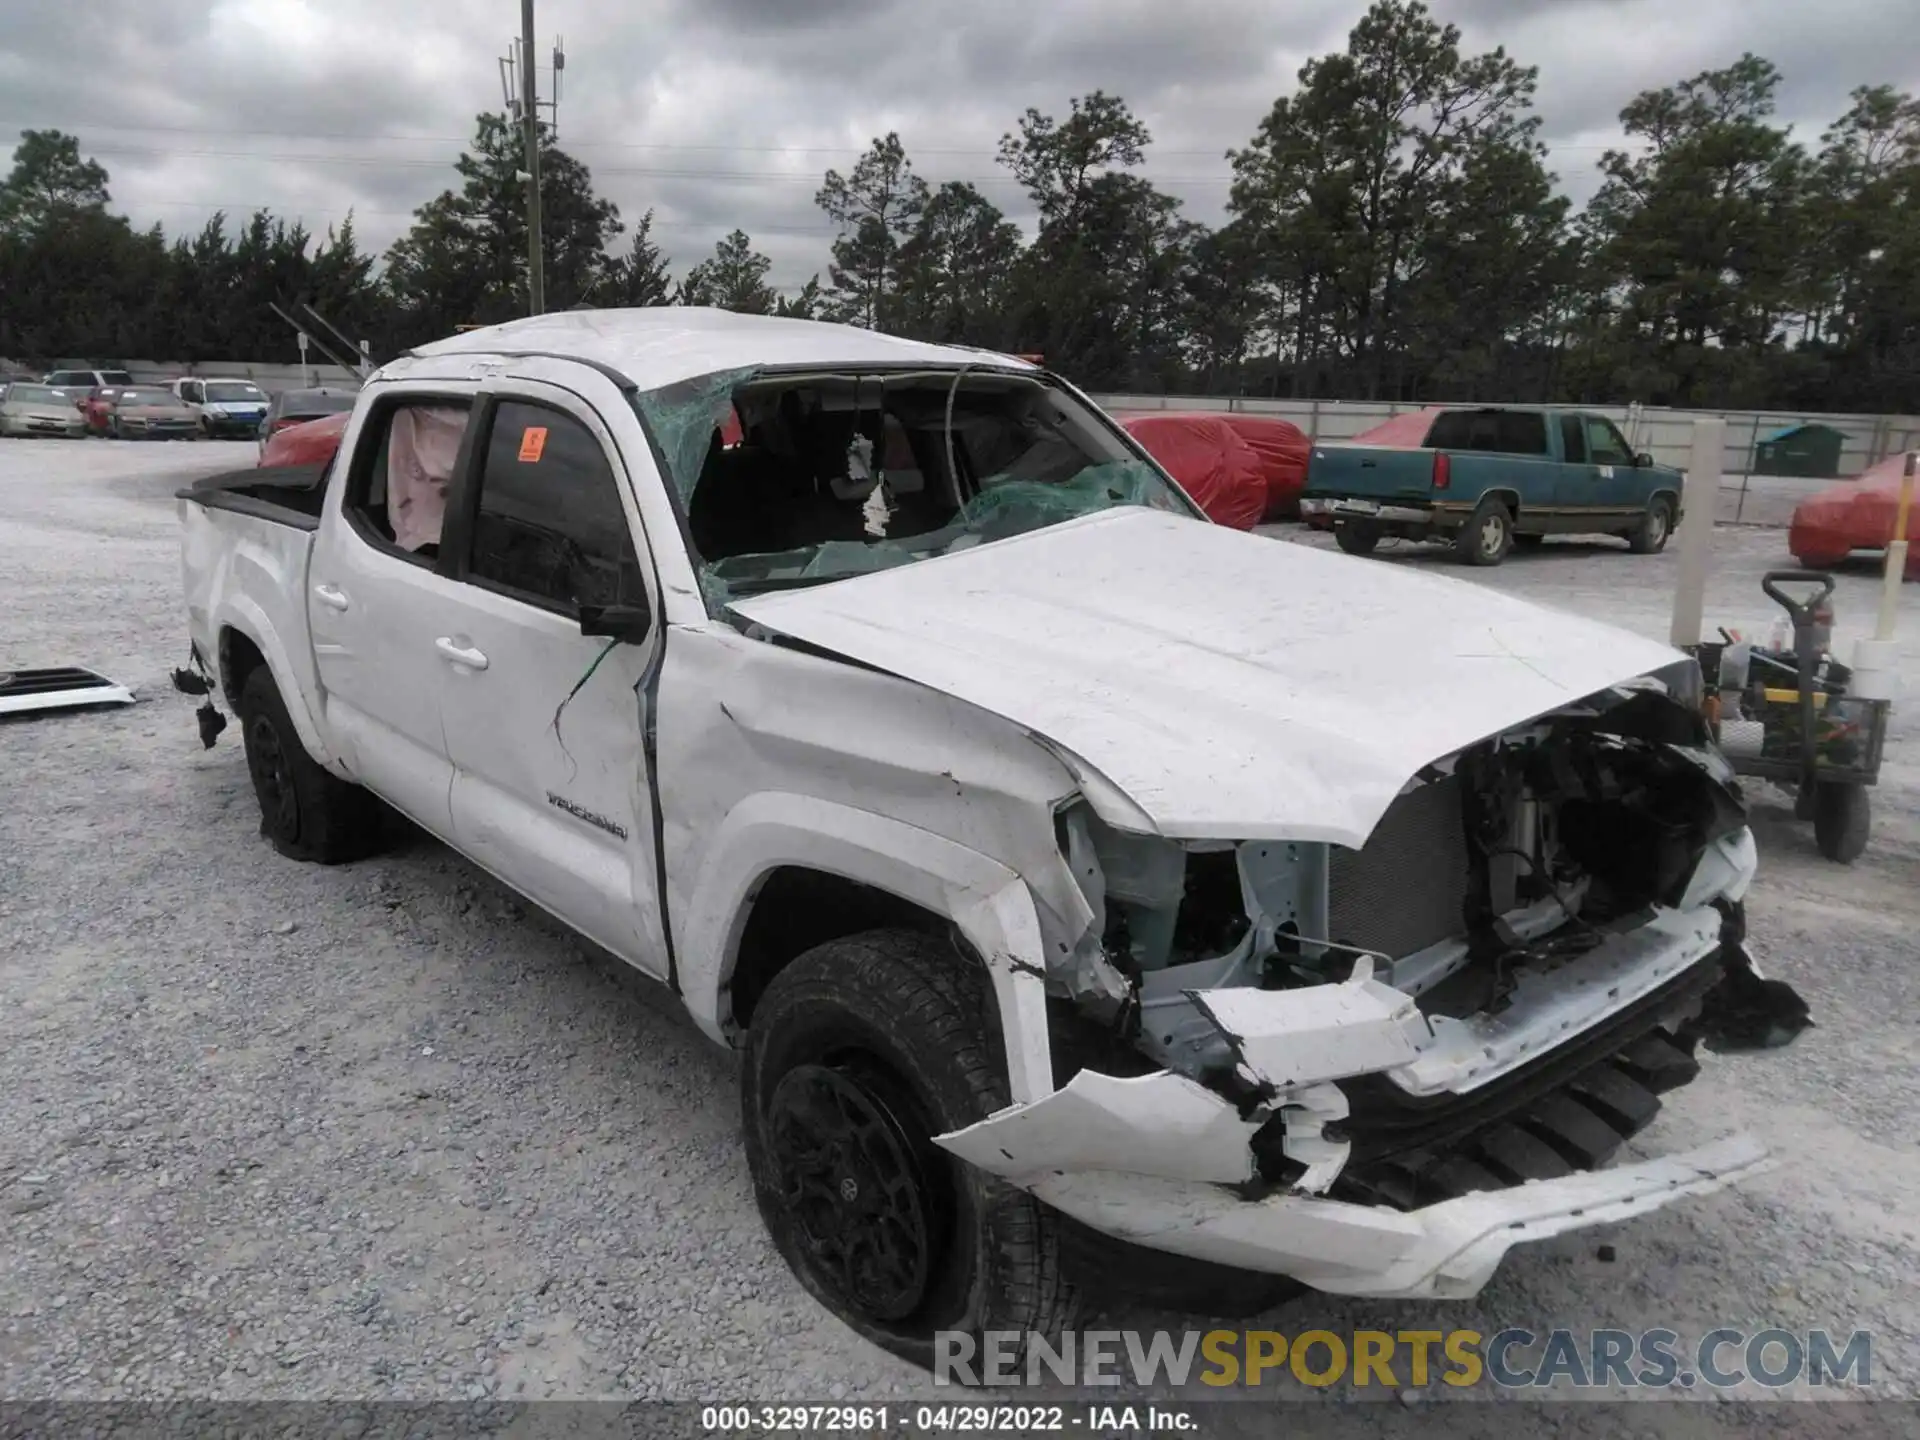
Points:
1446	1251
1282	1038
1161	1124
60	687
1210	676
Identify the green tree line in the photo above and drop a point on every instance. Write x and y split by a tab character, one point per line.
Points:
1393	231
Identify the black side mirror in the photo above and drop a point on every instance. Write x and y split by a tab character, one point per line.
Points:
631	623
1643	461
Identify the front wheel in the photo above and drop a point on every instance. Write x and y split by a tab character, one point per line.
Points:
1487	535
859	1053
1842	817
1649	537
1356	537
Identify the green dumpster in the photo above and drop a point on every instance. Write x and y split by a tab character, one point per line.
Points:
1808	450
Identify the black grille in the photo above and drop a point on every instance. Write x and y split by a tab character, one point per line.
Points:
1579	1101
1407	888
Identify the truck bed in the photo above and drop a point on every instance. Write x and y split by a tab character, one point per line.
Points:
245	539
285	494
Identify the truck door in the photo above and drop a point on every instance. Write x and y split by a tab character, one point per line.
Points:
383	616
545	725
1617	485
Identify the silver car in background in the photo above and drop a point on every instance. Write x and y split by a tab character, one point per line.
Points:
28	409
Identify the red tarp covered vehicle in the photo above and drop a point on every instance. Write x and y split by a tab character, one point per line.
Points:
1853	515
1282	448
1211	462
313	442
1408	429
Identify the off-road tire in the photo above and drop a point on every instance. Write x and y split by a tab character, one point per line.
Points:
1487	536
307	813
1842	818
1650	536
1356	537
907	1014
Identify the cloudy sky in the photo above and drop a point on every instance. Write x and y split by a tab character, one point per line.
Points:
718	113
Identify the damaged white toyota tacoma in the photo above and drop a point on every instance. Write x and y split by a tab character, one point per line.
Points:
1090	888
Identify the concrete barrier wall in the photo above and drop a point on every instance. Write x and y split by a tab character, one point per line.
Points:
1665	434
271	378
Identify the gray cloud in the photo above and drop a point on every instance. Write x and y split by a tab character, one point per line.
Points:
717	113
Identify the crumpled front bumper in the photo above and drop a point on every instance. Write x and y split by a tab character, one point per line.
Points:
1444	1251
1167	1163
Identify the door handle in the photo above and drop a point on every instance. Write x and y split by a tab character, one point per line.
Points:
331	598
460	654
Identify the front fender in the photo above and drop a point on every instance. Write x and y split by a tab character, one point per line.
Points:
987	902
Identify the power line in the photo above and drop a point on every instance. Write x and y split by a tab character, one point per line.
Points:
572	143
652	172
579	144
290	209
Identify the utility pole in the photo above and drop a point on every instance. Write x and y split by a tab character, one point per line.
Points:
520	87
530	121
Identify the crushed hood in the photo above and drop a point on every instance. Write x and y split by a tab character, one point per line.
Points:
1229	686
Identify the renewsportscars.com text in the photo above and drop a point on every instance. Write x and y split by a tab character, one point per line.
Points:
1514	1358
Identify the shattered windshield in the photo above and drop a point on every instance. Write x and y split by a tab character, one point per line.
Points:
796	480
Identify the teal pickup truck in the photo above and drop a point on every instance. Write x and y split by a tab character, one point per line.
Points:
1488	477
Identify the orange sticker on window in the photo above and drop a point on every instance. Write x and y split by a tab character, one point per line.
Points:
533	441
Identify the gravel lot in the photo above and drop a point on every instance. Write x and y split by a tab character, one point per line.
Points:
270	1130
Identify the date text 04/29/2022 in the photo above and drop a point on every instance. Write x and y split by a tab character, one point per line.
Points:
946	1419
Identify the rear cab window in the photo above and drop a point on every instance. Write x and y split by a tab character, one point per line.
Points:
1502	432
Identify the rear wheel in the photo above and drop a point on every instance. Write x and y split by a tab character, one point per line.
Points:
1356	537
1649	537
1487	535
307	813
859	1053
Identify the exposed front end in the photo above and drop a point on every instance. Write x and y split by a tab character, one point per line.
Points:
1376	1069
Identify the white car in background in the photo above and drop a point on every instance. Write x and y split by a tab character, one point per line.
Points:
227	407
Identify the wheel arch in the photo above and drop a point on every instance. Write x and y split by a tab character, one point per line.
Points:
244	641
1506	495
849	871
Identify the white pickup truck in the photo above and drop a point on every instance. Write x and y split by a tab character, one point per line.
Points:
1091	889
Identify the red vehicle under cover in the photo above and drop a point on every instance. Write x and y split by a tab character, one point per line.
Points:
1854	515
312	442
1282	448
1407	430
1206	455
